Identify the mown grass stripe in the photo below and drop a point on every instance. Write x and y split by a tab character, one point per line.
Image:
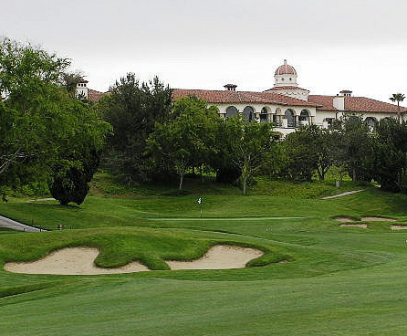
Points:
224	219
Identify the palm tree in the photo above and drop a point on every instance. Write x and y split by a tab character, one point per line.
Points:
397	97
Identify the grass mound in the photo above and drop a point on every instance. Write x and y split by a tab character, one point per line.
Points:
119	247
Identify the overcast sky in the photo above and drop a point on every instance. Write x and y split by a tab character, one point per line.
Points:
334	45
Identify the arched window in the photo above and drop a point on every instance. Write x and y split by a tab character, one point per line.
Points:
289	115
371	122
248	113
231	111
304	117
264	117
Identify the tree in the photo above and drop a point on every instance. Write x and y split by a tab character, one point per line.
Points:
70	178
390	149
307	150
39	120
34	116
397	97
354	147
80	157
188	140
247	145
133	109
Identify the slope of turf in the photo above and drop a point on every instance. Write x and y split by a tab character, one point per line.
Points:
339	281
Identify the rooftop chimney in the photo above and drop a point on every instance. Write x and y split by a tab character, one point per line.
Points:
346	93
230	87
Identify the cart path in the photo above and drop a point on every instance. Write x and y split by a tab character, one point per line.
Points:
11	224
343	194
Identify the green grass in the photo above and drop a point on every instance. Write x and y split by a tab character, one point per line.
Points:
339	281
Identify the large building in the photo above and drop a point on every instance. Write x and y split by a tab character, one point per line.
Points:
286	104
289	106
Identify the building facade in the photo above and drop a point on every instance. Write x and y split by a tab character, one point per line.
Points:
289	106
286	104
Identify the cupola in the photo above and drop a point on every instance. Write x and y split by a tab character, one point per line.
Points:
285	75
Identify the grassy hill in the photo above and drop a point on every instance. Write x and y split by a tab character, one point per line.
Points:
339	281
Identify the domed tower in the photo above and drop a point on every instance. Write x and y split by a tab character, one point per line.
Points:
285	83
285	75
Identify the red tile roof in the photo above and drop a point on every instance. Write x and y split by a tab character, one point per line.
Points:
361	104
94	95
240	97
326	102
356	104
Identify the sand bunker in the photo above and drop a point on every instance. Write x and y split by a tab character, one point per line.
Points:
219	257
399	227
80	261
363	226
71	261
344	219
377	219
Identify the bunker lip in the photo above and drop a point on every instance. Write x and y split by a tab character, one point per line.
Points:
80	261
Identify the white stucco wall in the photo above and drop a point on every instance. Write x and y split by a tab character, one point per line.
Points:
82	90
285	80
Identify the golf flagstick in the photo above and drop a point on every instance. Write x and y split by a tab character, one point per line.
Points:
200	202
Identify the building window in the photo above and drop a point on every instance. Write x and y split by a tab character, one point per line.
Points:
304	118
264	115
231	111
371	122
248	113
289	115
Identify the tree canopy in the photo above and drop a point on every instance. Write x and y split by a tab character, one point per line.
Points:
39	120
133	108
187	141
246	144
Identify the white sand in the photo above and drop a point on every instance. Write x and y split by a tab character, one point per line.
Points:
365	219
344	219
363	226
80	261
377	219
71	261
399	227
219	257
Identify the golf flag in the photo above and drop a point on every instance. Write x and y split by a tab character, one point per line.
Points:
200	200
